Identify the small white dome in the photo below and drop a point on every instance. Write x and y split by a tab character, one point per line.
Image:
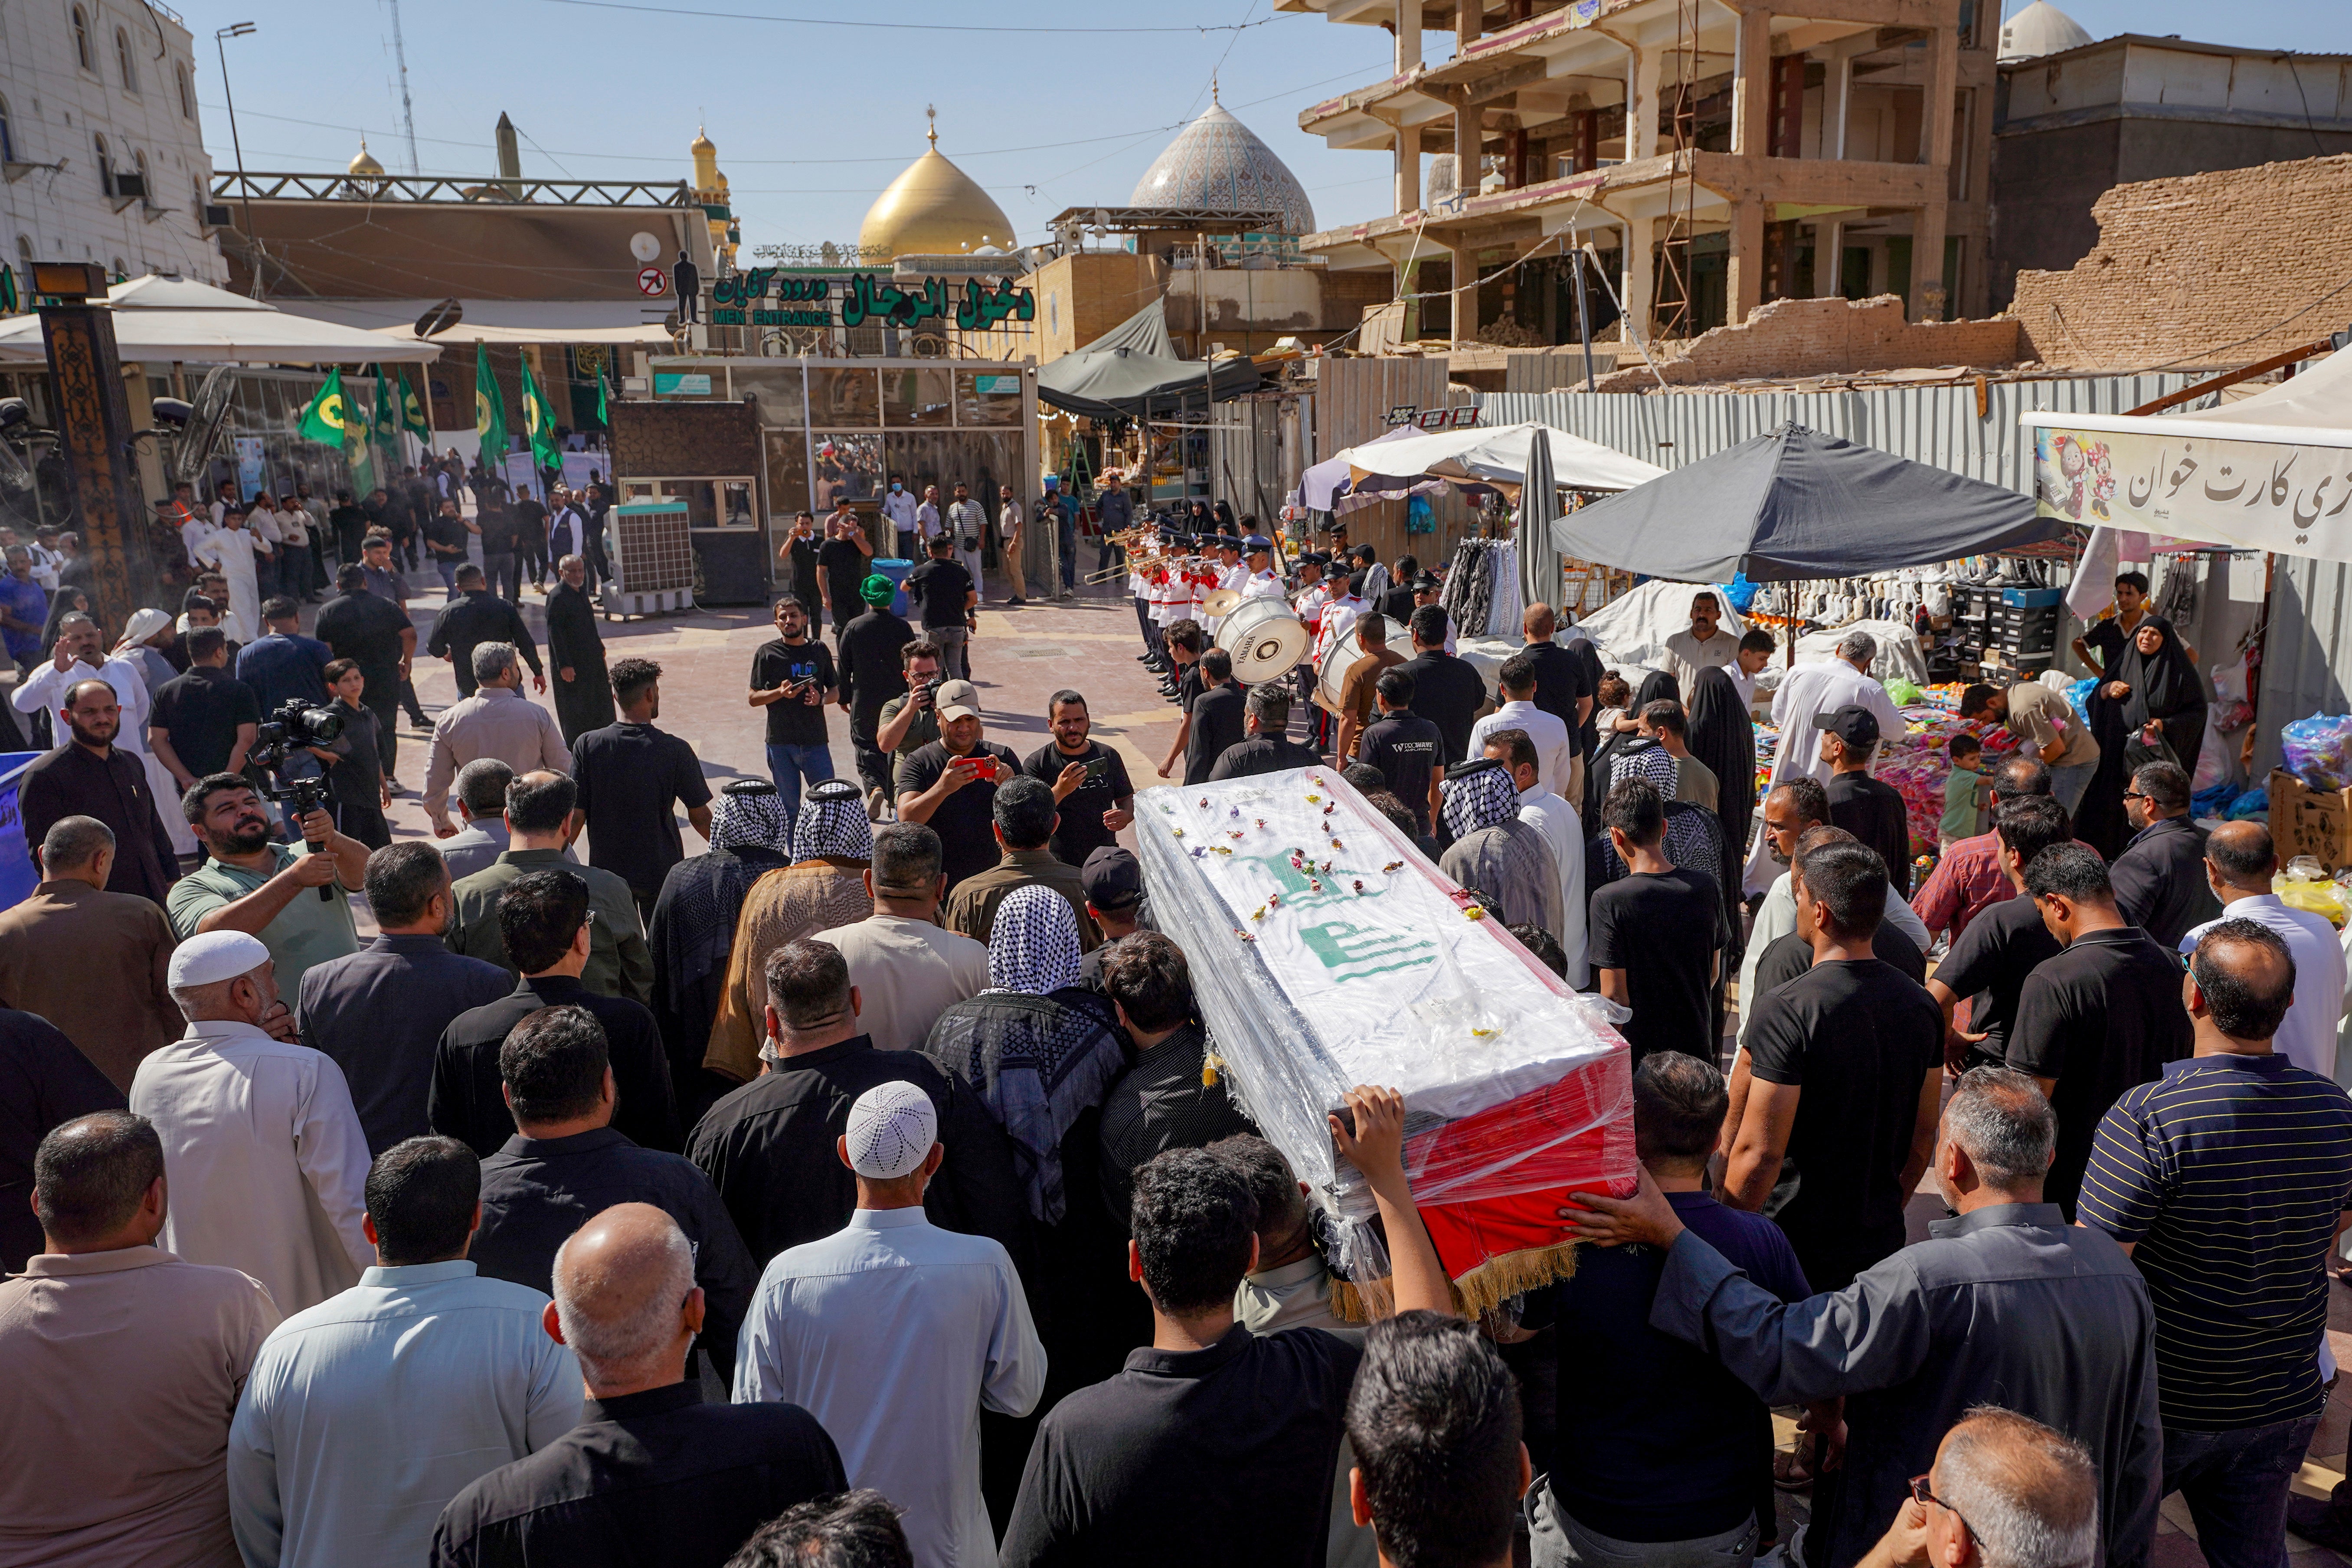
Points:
2040	29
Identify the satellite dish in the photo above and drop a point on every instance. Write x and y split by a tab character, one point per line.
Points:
440	318
644	246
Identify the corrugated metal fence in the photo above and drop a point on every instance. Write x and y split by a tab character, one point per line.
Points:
1936	424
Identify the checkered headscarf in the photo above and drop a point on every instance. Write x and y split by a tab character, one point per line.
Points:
749	814
1480	796
832	821
1033	947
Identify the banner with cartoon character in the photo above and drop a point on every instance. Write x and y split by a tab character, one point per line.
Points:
2196	486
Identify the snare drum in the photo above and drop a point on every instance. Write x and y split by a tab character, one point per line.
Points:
1266	638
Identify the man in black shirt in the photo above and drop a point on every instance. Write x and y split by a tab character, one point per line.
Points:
1216	718
1560	686
948	598
1790	955
2004	943
1406	748
2101	1016
952	783
530	537
2160	877
90	775
473	616
872	671
843	562
1841	1078
1160	1102
798	552
633	778
203	723
1657	934
501	532
1090	782
651	1474
1871	811
376	635
791	677
1252	1422
543	921
769	1146
445	535
1445	691
1268	749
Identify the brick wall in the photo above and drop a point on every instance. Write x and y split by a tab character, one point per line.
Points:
1789	338
2199	271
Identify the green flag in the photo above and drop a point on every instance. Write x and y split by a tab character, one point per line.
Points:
538	421
324	420
412	414
604	408
387	417
489	413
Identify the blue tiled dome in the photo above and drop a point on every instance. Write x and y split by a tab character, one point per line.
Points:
1218	163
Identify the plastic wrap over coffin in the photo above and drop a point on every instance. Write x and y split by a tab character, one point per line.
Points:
1326	953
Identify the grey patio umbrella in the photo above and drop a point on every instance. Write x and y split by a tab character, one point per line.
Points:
1538	510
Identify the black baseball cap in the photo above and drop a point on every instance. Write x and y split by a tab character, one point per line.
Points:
1112	878
1853	724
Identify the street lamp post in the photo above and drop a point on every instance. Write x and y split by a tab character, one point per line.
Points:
220	43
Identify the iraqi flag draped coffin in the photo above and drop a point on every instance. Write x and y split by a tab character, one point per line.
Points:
1327	951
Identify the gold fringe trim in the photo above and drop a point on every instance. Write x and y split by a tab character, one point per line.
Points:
1476	1293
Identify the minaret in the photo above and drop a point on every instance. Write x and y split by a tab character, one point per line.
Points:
710	192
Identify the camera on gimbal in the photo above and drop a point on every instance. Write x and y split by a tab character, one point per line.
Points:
289	732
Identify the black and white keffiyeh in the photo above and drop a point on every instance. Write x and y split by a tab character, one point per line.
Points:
1033	947
833	823
749	814
1479	796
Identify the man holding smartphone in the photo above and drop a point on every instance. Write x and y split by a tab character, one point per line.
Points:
952	783
1089	780
792	677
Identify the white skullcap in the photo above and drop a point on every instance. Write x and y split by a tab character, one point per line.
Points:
891	1129
213	957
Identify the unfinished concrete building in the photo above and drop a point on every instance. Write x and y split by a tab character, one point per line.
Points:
1714	155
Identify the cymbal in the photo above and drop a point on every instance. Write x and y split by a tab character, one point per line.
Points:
1221	601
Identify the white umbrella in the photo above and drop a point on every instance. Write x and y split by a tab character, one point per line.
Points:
161	319
1499	457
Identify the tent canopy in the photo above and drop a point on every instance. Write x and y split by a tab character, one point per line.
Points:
1794	504
158	317
1331	485
1498	456
1132	369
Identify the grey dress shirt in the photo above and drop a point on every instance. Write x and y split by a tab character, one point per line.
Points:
2009	1305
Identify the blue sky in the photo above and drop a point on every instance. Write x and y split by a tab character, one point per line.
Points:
812	120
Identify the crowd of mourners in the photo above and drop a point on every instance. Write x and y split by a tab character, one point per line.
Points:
863	1190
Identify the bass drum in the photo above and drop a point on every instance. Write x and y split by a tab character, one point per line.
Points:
1267	639
1347	651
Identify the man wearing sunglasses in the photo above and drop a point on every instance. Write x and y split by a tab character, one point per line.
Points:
2004	1303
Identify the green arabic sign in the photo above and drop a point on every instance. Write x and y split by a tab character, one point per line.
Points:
741	299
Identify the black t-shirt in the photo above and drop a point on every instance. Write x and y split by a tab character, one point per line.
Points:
802	568
357	776
1081	831
530	523
872	672
1405	748
2101	1016
1875	813
1220	719
793	722
1252	1423
1663	930
1790	955
366	630
844	567
445	536
940	586
1448	693
1189	687
963	820
201	711
1264	754
1990	961
1859	1038
501	531
632	779
1559	682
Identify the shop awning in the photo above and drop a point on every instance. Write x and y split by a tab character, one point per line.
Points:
1332	486
159	318
1795	504
620	322
2273	471
1132	371
1498	456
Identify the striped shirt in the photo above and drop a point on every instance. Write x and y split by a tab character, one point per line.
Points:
2228	1172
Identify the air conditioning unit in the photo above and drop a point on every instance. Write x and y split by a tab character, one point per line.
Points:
217	215
131	182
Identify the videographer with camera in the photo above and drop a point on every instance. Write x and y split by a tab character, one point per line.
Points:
290	896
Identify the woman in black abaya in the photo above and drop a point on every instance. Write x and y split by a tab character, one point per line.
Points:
1719	734
2161	696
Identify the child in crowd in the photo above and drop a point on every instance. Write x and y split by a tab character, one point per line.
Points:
1966	790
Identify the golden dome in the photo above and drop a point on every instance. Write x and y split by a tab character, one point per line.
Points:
933	209
705	153
365	163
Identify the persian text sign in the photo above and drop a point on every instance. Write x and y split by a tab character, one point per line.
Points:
2294	497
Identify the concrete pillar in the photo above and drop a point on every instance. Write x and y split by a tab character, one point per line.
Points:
1927	292
1469	21
1938	102
1751	87
1408	168
1744	285
1638	288
1641	101
1464	326
1408	34
1828	255
1469	147
1837	91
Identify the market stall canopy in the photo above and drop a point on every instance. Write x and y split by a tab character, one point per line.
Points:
166	318
1499	457
620	322
1132	369
2273	471
1795	504
1331	485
